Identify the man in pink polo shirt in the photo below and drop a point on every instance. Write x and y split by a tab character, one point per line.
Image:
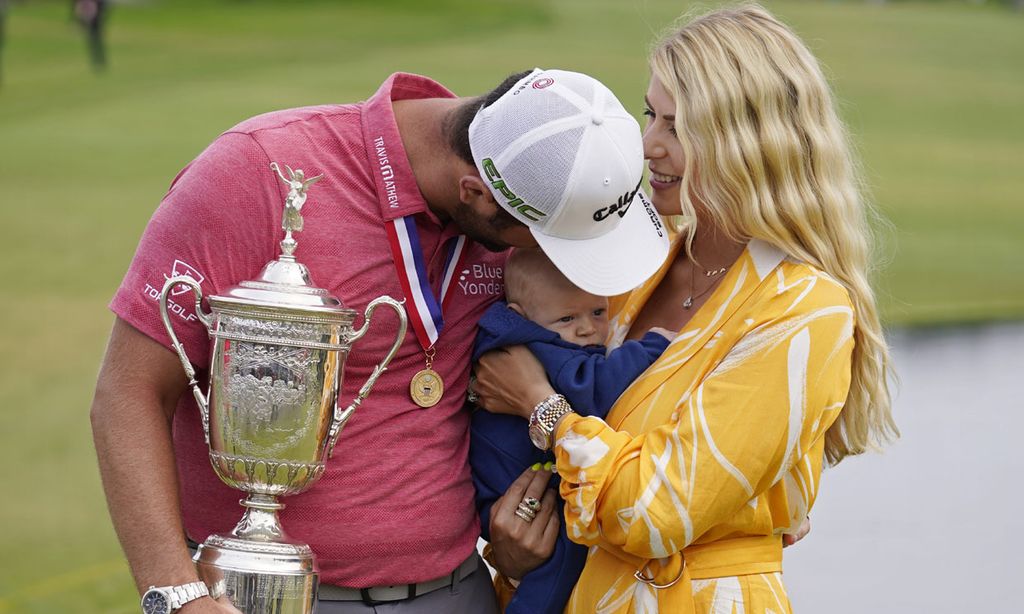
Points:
530	162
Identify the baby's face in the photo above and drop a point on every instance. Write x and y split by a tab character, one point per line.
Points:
577	316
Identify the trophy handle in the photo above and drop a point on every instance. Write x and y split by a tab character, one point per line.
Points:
204	407
340	418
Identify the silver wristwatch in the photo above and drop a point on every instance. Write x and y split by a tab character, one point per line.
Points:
544	417
166	599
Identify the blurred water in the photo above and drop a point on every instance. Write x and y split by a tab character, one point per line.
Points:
931	524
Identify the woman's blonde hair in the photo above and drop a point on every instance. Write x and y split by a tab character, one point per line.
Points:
766	156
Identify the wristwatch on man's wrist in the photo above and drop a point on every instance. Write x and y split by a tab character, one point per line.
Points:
543	419
167	599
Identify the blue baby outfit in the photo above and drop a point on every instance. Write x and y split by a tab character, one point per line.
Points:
500	448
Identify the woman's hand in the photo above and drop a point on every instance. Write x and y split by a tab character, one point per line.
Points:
788	539
511	381
518	545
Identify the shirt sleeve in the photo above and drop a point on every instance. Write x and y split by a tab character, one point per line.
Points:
592	381
730	438
217	225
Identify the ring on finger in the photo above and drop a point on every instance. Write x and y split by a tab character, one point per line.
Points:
532	503
526	511
528	517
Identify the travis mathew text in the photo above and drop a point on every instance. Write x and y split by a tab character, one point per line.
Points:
387	174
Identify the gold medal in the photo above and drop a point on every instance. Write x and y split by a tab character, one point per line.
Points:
426	388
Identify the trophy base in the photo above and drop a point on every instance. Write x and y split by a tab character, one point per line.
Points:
259	577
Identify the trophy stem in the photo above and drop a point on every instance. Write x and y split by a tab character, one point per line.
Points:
288	245
260	521
258	569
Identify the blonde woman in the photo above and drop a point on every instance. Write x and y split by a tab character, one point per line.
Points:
685	490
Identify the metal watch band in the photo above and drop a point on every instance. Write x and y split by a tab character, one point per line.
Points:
184	593
546	414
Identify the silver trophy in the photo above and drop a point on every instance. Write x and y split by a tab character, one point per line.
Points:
270	414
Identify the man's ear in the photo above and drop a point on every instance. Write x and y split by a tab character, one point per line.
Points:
516	308
475	193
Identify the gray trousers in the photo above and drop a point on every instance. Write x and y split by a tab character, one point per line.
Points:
474	594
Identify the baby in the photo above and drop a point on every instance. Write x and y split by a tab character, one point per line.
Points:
565	328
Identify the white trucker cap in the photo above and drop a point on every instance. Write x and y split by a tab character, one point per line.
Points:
563	156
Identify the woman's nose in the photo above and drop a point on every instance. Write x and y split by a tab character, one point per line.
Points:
653	149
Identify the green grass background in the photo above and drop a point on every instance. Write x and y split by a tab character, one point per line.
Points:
933	93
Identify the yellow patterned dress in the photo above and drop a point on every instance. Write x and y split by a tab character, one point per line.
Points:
683	493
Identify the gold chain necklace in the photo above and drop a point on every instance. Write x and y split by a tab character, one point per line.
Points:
711	274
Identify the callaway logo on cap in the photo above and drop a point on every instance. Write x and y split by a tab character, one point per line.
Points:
561	154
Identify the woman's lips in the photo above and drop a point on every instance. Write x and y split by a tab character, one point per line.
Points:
663	182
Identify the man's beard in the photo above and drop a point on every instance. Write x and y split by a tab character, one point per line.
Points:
485	231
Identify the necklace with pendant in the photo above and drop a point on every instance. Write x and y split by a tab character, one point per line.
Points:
688	303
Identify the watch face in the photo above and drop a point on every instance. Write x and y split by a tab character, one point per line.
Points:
538	436
155	602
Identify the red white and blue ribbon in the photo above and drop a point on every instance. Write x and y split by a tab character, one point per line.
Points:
426	312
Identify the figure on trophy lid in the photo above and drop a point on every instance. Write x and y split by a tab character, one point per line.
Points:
297	187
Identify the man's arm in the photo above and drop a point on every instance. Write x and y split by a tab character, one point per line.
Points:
137	391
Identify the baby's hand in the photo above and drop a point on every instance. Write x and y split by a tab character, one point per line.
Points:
664	332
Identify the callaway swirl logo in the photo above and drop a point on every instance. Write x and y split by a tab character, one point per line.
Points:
540	84
620	206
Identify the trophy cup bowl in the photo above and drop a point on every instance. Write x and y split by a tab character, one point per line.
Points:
270	414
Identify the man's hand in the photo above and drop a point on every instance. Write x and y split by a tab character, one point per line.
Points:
511	381
207	605
520	546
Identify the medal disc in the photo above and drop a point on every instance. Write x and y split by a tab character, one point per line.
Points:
426	388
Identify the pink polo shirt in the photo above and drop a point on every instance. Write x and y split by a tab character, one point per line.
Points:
396	502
